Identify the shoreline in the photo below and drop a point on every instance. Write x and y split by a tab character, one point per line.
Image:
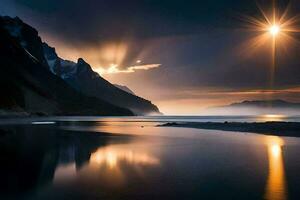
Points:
289	129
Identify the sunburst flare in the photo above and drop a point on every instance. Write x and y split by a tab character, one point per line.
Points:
274	28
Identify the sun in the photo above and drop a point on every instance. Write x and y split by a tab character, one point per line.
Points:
276	23
274	30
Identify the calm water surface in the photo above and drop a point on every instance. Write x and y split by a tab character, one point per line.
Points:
130	158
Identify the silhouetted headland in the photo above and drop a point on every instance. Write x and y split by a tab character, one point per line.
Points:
267	128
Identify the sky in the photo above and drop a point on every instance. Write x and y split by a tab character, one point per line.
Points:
184	56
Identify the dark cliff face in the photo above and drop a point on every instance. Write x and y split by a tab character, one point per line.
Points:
81	77
26	36
26	84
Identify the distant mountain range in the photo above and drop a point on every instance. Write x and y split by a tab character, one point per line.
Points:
35	80
265	104
257	107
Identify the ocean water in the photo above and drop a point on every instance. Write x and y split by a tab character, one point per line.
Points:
131	158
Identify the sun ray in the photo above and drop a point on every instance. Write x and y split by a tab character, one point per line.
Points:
285	14
263	13
291	21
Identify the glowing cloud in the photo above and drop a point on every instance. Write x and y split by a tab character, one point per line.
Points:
114	68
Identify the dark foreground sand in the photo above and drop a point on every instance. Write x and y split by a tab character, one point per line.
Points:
268	128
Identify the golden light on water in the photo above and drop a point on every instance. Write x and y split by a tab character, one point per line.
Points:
276	183
276	150
272	117
114	164
112	156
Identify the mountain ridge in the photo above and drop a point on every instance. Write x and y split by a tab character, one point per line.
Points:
124	88
28	86
275	103
81	76
257	107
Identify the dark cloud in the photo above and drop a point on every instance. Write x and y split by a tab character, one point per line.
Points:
94	20
101	19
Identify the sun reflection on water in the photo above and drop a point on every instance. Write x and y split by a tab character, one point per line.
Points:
276	183
111	156
272	117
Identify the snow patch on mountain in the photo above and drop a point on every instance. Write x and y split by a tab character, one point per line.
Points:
65	63
51	64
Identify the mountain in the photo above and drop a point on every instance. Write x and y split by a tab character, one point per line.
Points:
27	85
257	107
124	88
81	77
266	104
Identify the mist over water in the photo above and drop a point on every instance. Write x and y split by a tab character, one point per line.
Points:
252	111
